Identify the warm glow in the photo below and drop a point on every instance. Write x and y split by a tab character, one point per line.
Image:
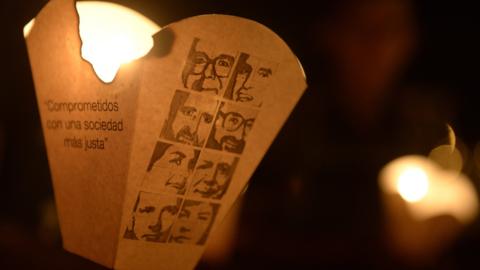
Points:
113	35
412	184
447	157
430	190
452	139
28	27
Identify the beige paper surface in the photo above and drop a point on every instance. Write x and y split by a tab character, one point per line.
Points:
145	168
89	184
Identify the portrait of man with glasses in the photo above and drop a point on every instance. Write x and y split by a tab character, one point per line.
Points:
189	119
206	70
231	128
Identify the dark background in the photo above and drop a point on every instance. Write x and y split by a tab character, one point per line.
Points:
313	202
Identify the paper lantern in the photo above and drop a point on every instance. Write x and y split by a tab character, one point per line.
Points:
146	166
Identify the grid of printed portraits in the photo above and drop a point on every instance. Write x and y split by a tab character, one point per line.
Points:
201	141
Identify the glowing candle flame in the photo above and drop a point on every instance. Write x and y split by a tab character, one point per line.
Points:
113	35
413	184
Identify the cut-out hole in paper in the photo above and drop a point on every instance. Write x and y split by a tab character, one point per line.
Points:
113	35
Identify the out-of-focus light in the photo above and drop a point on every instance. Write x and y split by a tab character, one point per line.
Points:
451	137
430	190
392	172
28	27
412	184
447	157
113	35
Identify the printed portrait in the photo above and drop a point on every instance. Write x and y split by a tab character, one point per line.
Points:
152	217
212	175
190	118
250	80
206	69
231	128
169	168
194	222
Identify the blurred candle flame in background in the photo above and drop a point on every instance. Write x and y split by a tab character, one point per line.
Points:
430	190
427	204
435	185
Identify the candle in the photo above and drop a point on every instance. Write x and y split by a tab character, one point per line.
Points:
426	205
429	190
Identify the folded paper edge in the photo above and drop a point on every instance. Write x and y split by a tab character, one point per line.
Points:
247	20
